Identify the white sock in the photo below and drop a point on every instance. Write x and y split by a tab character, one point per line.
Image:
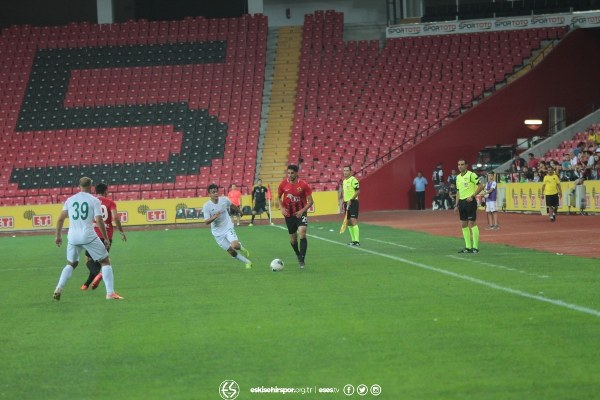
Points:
109	280
64	276
242	258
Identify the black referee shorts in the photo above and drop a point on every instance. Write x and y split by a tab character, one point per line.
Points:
467	210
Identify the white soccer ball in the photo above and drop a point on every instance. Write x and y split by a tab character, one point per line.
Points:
276	265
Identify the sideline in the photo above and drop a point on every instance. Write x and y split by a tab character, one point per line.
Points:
491	285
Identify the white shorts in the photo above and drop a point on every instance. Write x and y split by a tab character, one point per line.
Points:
490	206
224	241
95	248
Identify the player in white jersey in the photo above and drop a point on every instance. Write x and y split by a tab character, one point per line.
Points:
216	215
83	210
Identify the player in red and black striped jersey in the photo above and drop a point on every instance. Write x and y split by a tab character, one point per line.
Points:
109	216
295	198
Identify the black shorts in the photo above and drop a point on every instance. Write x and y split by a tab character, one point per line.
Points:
260	207
352	211
293	223
233	211
552	200
467	210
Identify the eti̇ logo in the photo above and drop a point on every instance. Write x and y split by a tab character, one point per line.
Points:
42	220
123	216
7	222
156	215
229	390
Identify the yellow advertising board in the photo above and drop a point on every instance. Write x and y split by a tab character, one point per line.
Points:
141	212
527	196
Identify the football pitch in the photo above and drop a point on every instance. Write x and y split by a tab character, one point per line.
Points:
403	313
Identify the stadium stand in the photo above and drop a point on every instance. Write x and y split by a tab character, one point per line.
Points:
138	103
357	103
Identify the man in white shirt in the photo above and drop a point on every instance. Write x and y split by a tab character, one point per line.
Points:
83	210
216	215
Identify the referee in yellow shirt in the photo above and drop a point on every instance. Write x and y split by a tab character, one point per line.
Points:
350	191
468	186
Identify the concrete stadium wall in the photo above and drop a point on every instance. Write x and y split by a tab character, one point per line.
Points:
568	77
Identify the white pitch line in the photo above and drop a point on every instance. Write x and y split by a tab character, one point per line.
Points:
393	244
499	266
558	303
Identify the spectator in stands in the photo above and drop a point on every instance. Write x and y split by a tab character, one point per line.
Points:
579	149
235	197
489	194
593	137
441	200
259	200
215	212
518	163
452	194
565	170
527	173
595	164
438	176
551	191
532	162
452	178
420	184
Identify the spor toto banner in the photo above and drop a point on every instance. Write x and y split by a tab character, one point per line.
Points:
580	20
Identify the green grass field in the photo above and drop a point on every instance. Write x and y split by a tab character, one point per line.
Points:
404	312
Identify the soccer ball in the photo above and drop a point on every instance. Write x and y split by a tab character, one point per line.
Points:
276	265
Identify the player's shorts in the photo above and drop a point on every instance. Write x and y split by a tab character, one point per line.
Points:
88	254
95	249
294	222
260	207
552	200
233	211
352	211
467	210
224	241
490	206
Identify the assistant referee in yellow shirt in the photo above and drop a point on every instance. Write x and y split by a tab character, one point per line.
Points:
350	191
468	186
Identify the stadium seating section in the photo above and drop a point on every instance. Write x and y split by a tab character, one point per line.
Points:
161	109
357	102
155	109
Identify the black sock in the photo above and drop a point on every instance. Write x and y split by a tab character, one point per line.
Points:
252	219
303	247
296	249
90	264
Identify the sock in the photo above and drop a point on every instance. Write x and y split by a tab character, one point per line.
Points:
296	249
108	277
64	276
91	265
475	231
351	231
242	258
303	247
467	236
252	221
356	233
